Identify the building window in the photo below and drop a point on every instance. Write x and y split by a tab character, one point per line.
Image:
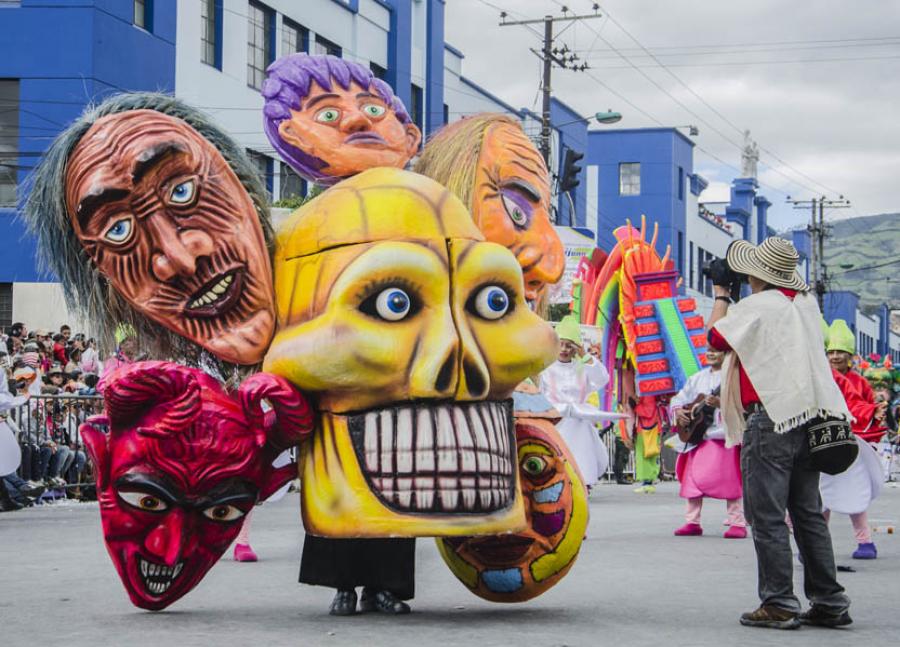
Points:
630	178
378	71
680	183
680	252
446	114
260	52
415	108
704	283
292	185
6	303
263	166
140	13
325	46
294	38
9	142
211	32
143	14
691	264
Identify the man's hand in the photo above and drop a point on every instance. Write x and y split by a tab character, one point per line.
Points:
881	411
720	306
713	401
682	417
629	442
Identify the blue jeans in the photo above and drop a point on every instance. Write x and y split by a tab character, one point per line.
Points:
40	462
14	485
58	461
777	477
73	466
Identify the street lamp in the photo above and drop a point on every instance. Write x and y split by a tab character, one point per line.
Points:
608	117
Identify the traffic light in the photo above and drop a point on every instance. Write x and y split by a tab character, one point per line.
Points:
569	179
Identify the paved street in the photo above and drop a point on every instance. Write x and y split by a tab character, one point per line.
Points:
634	584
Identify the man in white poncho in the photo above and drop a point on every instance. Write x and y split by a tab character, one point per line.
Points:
776	378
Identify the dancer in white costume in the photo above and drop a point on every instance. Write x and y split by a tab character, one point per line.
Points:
10	453
568	383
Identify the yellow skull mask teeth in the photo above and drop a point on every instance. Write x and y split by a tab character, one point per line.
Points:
448	458
410	331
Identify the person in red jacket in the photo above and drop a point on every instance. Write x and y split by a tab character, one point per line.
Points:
59	349
853	491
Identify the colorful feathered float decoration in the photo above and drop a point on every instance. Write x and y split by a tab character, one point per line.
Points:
651	340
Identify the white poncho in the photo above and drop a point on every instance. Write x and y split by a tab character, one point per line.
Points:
778	341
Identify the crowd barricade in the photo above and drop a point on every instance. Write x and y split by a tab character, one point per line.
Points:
667	457
53	421
46	427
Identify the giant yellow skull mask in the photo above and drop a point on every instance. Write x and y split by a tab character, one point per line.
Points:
410	332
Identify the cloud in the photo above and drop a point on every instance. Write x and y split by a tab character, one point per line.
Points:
823	127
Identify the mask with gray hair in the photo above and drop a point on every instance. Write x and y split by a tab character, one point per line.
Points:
152	216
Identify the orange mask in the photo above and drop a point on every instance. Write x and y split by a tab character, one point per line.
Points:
164	217
511	205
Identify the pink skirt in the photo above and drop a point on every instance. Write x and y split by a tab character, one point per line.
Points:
710	470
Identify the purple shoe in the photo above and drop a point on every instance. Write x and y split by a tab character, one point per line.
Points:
865	551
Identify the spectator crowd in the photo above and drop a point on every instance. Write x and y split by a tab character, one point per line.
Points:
48	388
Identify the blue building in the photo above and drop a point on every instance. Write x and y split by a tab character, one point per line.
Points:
644	171
57	56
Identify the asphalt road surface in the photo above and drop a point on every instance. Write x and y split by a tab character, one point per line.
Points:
634	584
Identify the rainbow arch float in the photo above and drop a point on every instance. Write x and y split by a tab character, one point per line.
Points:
651	340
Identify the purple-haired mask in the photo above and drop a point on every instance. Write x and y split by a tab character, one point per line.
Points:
329	118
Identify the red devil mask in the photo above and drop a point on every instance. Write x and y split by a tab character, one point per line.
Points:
182	464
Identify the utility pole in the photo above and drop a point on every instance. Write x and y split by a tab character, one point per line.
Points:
840	203
546	89
818	232
550	55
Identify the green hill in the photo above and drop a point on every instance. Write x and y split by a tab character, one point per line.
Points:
863	242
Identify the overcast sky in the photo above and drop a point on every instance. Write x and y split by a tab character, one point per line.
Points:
824	124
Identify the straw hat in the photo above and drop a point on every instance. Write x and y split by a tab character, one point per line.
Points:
774	261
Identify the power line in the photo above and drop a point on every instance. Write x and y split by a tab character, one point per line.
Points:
894	261
745	63
727	52
703	101
770	43
550	55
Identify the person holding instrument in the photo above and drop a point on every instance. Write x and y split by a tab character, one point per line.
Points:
707	468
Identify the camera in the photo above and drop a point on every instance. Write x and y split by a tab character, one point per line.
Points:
722	275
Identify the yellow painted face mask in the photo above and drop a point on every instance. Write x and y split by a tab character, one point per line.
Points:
410	332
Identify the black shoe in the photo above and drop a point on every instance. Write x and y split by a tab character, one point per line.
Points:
8	505
771	617
821	618
343	604
382	601
32	492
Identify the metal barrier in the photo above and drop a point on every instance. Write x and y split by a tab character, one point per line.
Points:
47	430
47	423
667	458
